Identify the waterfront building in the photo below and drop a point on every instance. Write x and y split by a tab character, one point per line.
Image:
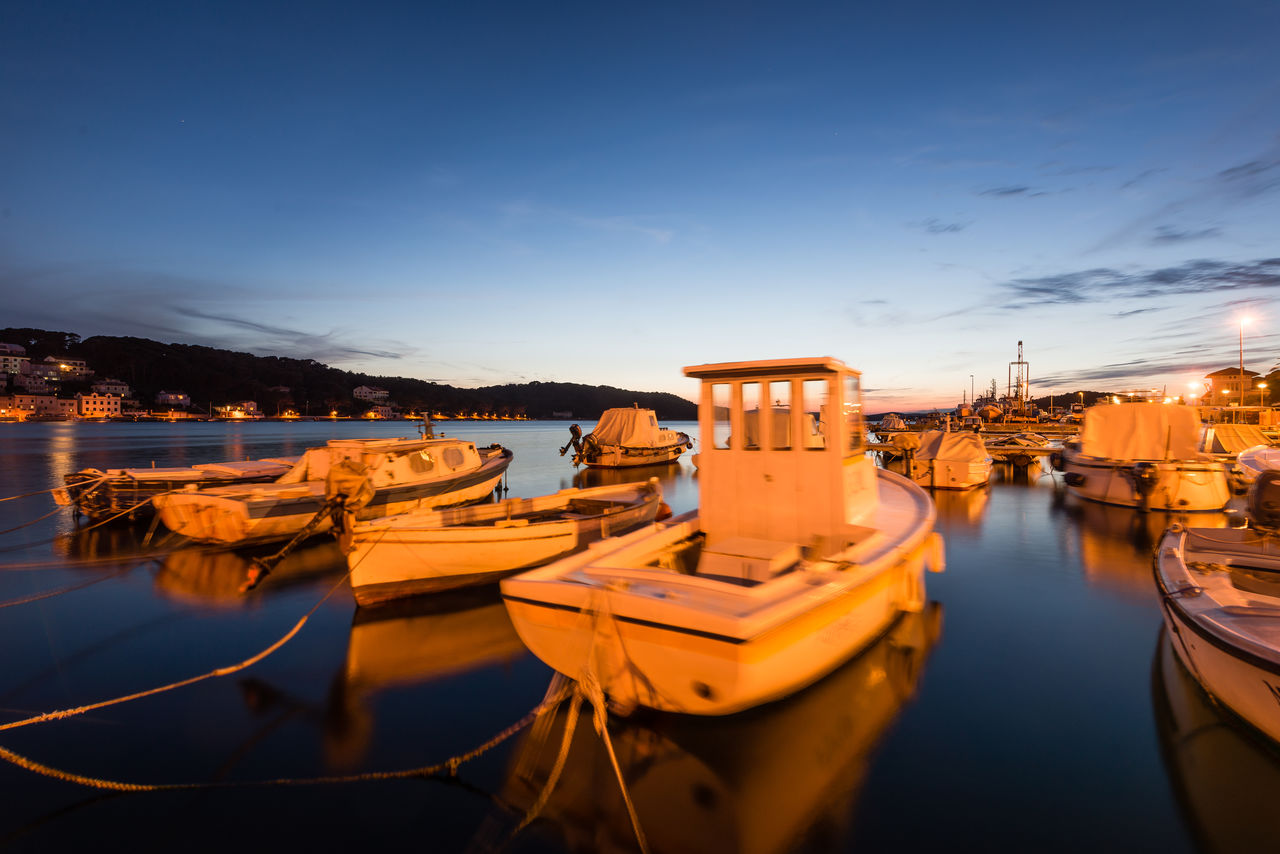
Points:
110	386
173	398
239	410
1232	387
13	359
69	368
94	405
370	393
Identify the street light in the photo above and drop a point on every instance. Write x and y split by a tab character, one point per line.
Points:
1262	394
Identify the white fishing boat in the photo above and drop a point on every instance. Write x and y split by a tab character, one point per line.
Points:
801	553
426	551
626	437
1144	455
944	460
1220	589
127	492
372	477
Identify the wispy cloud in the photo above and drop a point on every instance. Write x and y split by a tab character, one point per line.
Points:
624	224
1167	234
937	226
1104	283
1013	191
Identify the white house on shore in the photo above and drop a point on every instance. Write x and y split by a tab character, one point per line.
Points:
94	405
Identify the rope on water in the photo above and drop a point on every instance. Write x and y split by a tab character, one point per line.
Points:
52	512
221	671
448	767
49	594
44	491
601	718
98	524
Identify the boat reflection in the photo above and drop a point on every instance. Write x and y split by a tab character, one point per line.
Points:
410	642
764	780
212	576
1226	776
1116	543
679	487
969	506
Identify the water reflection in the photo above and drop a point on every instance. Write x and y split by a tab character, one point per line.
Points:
769	779
408	642
1226	775
679	486
214	577
1117	543
968	506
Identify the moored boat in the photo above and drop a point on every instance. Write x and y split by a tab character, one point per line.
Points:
426	551
944	460
1253	461
1220	589
626	437
372	477
1144	455
105	493
801	553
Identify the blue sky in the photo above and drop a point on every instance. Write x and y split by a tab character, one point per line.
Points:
604	193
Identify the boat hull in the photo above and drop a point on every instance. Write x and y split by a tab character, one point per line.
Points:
278	511
1227	637
121	493
625	456
951	474
1177	485
425	553
653	636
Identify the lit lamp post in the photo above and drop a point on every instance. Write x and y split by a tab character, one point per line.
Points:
1262	394
1243	321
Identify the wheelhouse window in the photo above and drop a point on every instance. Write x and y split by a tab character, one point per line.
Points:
854	424
752	424
816	423
780	415
720	403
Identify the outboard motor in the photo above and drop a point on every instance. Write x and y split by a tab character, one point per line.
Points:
1264	501
575	440
1145	478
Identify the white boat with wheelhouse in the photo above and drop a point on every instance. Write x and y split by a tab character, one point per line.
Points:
1147	456
428	551
1220	588
370	477
801	553
626	437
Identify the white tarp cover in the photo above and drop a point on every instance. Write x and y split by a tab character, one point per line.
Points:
1141	431
962	446
631	427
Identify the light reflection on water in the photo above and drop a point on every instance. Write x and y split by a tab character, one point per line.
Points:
1030	727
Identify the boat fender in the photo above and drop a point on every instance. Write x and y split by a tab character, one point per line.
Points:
1074	478
1264	500
664	512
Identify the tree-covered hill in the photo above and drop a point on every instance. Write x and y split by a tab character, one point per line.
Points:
211	377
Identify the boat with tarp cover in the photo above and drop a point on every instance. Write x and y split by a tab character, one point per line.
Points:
1144	455
626	437
801	553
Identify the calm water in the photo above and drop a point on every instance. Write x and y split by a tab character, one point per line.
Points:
1032	707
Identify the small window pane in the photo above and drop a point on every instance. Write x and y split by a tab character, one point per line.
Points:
816	417
751	424
720	413
780	422
853	414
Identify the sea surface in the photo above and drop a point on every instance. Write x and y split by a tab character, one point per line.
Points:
1033	706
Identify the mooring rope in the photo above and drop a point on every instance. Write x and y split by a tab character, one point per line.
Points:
49	594
448	767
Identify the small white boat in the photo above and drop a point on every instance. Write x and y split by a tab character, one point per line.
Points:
802	552
1221	594
892	421
374	477
1252	462
426	551
1144	455
950	460
626	437
106	493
